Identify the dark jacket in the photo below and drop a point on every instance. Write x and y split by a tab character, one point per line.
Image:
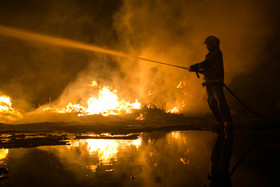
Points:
212	67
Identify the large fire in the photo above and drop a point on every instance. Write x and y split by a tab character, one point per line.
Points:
106	103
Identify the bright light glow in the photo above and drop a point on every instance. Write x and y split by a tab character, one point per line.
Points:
140	117
3	153
106	103
70	108
4	100
93	84
7	113
175	134
174	110
135	105
137	142
105	149
93	168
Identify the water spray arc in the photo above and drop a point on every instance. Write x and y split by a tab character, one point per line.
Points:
26	35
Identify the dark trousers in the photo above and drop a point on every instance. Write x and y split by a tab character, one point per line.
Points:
217	103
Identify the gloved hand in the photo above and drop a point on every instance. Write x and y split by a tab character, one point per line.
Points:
194	68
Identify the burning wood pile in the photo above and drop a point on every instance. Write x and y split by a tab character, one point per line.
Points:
104	104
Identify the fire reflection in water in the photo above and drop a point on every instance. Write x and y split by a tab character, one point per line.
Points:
105	149
3	154
180	158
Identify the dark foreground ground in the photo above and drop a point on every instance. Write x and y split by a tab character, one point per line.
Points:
256	148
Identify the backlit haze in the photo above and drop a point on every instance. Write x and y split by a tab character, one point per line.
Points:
57	68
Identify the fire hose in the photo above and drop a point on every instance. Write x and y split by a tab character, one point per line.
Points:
242	103
225	86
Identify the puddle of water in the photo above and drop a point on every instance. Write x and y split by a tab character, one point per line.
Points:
180	158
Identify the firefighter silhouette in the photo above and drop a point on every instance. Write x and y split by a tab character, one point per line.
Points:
213	70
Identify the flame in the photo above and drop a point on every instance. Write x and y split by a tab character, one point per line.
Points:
93	84
7	113
93	167
70	108
174	110
4	100
106	103
185	162
140	117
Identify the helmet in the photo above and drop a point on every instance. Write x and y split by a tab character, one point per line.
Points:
212	42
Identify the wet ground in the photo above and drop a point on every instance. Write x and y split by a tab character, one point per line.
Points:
155	158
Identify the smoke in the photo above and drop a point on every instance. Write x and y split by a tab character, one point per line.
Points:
34	73
174	32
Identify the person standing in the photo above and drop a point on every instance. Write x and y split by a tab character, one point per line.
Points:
213	70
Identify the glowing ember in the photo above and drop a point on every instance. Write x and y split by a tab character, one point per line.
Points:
7	113
93	167
140	117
